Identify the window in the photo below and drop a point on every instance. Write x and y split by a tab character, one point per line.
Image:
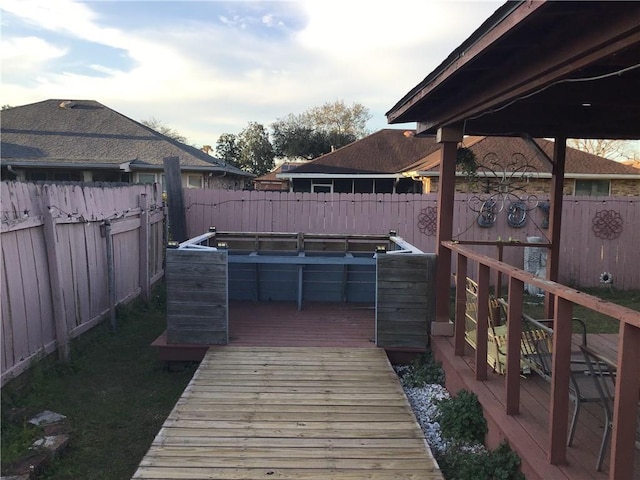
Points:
301	184
321	188
384	185
194	181
109	177
343	185
594	188
363	185
37	176
146	178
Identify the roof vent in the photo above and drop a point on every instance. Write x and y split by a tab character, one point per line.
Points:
67	104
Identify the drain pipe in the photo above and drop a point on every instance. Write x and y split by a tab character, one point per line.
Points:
105	230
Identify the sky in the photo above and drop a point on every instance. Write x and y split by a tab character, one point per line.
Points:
205	68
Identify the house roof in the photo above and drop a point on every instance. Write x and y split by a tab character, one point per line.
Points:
59	133
507	148
272	175
546	68
386	151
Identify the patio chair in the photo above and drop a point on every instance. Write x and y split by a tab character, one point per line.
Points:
496	345
496	332
537	351
602	373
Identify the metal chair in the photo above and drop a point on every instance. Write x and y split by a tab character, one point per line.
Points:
602	373
537	341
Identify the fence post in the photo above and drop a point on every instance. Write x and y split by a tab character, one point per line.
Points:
145	280
53	263
175	199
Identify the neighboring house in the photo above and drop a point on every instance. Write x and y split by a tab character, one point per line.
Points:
271	182
396	161
518	161
373	164
82	140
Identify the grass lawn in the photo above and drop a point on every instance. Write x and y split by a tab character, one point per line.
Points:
596	322
115	394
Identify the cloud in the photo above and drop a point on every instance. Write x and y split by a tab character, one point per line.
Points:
25	54
212	73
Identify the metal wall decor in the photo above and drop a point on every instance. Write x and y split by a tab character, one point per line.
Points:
487	214
607	224
517	214
544	207
503	183
427	220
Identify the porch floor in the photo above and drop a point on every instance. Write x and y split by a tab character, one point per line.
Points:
528	432
291	413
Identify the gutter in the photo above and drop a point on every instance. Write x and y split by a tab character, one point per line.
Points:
289	176
581	176
190	168
77	166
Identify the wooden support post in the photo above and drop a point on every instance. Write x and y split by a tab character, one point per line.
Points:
53	263
625	403
461	304
483	322
498	291
300	284
561	364
345	284
175	199
555	218
145	279
514	334
449	138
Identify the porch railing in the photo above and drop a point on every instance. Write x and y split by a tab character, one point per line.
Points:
564	298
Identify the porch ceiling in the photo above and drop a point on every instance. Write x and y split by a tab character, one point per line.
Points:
544	68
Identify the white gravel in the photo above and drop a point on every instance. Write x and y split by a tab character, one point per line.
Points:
424	402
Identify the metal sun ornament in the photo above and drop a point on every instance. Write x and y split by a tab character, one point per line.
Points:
503	182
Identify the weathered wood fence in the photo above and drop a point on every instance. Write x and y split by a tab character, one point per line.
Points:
599	234
55	268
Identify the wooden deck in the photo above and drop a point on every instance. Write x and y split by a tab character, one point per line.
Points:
281	324
291	413
528	432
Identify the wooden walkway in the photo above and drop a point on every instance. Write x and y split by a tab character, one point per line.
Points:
291	413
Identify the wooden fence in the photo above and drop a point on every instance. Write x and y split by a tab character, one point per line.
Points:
599	234
55	269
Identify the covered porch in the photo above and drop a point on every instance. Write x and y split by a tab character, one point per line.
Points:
538	70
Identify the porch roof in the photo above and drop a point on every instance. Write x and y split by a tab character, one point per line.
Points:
544	68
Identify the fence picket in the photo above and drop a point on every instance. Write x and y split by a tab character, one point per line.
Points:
68	250
583	255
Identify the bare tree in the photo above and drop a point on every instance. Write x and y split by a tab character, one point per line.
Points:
165	130
611	149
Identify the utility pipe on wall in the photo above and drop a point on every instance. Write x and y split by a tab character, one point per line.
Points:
106	231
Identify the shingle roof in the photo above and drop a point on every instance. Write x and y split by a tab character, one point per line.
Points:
272	175
85	131
577	161
385	151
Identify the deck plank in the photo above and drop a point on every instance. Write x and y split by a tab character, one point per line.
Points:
291	413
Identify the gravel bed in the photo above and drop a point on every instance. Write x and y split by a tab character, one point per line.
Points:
424	402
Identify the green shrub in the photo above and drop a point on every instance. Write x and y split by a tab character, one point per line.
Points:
424	370
500	464
461	418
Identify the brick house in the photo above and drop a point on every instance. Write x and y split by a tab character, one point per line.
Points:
397	161
83	140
